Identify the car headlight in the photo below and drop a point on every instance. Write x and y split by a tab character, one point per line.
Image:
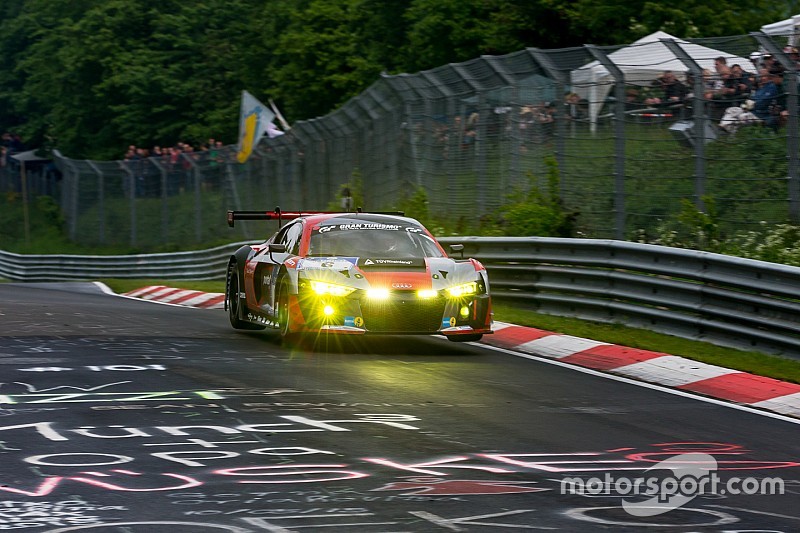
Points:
322	288
465	289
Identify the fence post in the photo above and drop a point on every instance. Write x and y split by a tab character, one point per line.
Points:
792	135
132	189
198	205
562	80
101	210
700	120
164	205
619	139
69	190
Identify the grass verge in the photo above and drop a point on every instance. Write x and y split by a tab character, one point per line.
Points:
746	361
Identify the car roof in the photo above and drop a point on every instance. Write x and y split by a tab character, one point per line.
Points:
334	218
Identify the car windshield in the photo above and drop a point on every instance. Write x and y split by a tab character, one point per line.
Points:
372	240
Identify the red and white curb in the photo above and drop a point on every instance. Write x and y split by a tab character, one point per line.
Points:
653	367
169	295
643	365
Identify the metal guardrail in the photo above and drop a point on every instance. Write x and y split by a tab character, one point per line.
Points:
198	265
730	301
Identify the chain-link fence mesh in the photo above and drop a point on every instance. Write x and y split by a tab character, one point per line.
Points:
475	135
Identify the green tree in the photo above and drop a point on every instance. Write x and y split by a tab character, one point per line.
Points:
321	57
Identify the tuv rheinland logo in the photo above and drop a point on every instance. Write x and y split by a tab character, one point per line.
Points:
670	484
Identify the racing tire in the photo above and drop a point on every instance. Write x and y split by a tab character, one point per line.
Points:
465	338
284	320
233	302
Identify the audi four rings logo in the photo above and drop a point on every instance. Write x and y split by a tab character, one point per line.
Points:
401	285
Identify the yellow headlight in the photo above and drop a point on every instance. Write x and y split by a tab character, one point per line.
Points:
465	289
322	288
378	294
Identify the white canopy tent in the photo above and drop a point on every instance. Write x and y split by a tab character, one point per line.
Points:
788	28
641	63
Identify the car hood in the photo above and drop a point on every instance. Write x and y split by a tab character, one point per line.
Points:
391	273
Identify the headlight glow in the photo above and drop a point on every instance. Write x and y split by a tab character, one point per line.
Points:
378	294
322	288
465	289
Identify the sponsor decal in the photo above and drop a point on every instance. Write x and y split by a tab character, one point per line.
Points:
388	262
321	263
354	321
448	322
367	225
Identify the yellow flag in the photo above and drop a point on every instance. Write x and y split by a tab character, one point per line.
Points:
253	122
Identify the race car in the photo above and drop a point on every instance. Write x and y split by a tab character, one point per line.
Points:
354	274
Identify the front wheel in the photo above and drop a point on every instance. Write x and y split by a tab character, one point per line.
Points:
465	338
284	317
234	302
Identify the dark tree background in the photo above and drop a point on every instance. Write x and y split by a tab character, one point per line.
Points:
93	76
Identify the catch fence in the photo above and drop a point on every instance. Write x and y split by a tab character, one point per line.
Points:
475	137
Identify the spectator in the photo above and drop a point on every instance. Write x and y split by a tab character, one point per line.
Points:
575	109
721	97
742	84
12	142
672	89
721	65
766	98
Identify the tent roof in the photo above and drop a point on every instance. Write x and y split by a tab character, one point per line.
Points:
641	62
28	156
650	55
782	27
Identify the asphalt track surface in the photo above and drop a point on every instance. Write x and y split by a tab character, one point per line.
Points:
119	415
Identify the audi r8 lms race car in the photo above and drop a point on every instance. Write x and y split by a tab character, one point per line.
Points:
355	273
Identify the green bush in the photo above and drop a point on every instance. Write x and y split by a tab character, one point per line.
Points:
533	210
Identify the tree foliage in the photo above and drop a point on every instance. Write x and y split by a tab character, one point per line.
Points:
96	75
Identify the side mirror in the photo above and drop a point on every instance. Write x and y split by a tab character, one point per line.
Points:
274	247
457	248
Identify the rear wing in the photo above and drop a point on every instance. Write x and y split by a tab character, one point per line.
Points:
280	216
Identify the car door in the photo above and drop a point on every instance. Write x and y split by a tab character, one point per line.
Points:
269	266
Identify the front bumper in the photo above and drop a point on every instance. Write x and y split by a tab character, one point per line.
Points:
401	312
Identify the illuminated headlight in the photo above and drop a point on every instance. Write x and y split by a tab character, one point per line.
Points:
465	289
377	294
322	288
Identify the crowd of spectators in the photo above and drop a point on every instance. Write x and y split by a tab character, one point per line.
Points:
734	95
149	165
10	143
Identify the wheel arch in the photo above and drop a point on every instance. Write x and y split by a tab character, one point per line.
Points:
239	258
